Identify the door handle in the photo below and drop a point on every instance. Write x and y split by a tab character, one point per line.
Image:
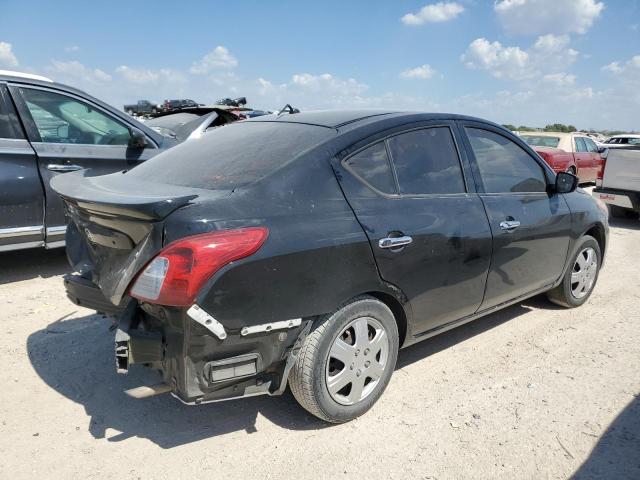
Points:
54	167
394	242
509	225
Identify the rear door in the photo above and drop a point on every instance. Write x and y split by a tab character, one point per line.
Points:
428	232
531	228
21	195
70	133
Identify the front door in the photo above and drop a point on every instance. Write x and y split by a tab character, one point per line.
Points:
21	197
429	234
531	228
69	133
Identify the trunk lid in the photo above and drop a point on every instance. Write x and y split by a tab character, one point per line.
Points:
116	224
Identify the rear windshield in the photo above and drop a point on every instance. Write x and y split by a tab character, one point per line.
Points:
541	141
232	156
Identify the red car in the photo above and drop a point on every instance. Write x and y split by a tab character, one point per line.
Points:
567	152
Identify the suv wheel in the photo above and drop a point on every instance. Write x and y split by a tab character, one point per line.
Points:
578	282
346	362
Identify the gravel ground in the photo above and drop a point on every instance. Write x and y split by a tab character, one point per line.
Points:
533	391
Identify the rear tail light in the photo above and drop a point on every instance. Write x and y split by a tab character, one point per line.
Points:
176	275
600	174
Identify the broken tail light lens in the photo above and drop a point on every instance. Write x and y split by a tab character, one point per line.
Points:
177	273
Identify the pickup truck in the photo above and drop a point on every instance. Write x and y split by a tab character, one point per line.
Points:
141	108
618	182
567	152
47	129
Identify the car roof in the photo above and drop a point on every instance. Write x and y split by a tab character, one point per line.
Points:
628	135
340	118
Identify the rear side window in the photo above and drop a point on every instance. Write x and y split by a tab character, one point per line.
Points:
426	161
372	166
503	165
232	156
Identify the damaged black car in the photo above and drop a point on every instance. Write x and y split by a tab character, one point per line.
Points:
307	249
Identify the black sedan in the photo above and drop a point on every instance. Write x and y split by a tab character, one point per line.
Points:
307	249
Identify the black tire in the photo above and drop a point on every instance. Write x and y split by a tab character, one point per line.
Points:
562	294
621	212
308	379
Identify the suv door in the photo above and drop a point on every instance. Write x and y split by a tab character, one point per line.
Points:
531	228
70	133
429	235
21	197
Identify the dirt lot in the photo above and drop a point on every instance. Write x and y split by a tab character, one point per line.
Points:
533	391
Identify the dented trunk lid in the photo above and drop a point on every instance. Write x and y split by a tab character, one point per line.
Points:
116	224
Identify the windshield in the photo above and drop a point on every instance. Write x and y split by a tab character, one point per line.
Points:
232	156
541	140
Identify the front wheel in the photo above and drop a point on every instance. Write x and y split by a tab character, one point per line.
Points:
346	362
579	280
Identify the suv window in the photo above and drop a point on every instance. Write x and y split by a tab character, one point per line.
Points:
426	161
580	144
372	166
62	119
503	165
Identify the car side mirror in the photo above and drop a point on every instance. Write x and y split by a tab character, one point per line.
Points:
602	149
566	182
138	139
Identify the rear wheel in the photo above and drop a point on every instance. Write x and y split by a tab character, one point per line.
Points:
620	212
580	279
346	362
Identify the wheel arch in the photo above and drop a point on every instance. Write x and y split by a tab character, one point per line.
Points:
597	231
398	311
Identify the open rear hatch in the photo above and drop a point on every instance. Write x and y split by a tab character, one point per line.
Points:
116	224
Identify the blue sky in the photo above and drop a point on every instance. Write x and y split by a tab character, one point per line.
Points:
518	61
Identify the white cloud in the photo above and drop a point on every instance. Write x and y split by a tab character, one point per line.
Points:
218	58
631	68
534	17
72	49
423	72
549	54
146	76
7	57
434	13
75	71
560	78
500	61
327	83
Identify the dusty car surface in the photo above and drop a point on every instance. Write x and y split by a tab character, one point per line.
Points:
567	152
307	249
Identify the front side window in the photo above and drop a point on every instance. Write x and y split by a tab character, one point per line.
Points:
634	141
581	146
372	166
590	144
503	165
426	161
63	119
6	128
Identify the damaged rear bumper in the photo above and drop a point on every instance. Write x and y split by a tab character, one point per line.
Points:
197	364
